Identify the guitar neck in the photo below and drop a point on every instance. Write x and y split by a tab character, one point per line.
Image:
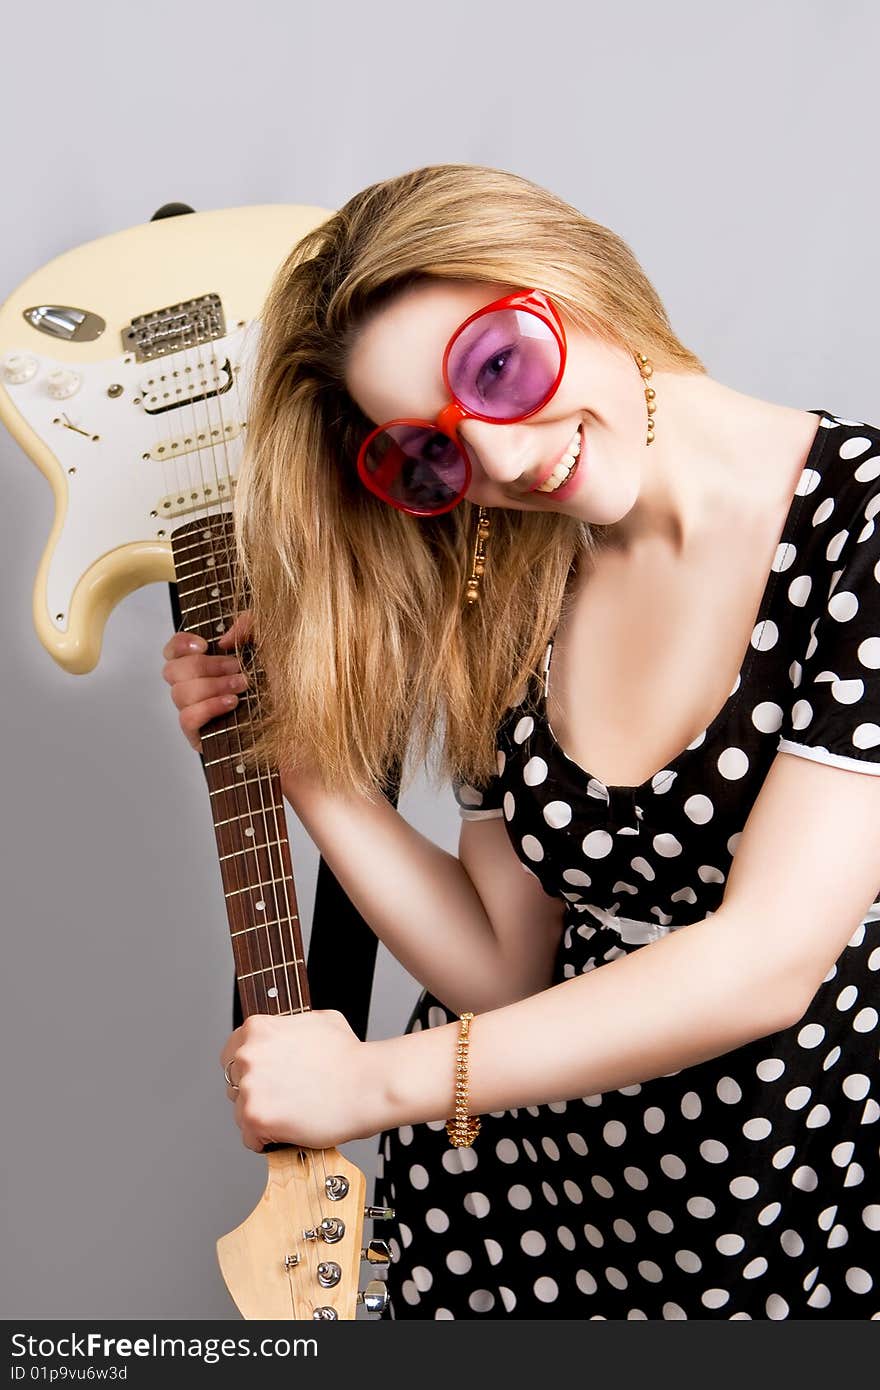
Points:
247	804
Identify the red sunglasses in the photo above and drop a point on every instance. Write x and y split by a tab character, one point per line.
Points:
501	365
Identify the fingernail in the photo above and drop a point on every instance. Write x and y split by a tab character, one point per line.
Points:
195	644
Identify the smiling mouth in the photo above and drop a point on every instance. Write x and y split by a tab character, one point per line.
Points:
566	466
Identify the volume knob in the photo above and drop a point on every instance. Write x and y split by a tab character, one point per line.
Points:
19	367
63	384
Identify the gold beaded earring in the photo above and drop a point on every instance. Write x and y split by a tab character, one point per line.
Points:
647	372
483	524
479	560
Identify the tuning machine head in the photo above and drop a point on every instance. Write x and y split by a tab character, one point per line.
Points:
374	1297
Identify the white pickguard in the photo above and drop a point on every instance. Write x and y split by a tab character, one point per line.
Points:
140	462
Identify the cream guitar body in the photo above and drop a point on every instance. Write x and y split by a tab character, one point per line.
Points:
125	370
119	436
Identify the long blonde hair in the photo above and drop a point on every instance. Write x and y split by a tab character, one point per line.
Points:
358	608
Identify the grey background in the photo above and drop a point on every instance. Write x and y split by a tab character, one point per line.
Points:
733	147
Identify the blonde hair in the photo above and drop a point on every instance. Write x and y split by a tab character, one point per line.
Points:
358	608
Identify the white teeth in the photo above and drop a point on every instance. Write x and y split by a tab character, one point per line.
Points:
565	466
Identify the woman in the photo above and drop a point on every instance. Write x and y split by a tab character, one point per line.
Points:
453	481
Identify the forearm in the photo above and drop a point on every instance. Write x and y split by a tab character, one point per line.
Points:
416	897
692	995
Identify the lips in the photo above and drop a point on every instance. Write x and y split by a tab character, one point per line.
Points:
548	472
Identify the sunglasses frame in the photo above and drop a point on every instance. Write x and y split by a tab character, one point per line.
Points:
450	417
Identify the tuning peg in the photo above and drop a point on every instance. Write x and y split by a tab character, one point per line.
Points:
379	1213
377	1253
374	1297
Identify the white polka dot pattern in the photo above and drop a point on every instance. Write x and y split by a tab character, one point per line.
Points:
744	1187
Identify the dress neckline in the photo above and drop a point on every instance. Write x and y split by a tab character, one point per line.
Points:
789	527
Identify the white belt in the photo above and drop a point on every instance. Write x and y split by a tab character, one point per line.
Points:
636	933
629	929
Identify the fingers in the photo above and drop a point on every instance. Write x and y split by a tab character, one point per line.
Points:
181	643
238	632
188	668
195	692
202	686
192	719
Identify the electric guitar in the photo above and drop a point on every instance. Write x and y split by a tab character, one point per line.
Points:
125	367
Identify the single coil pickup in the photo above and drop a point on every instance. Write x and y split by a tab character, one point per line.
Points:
191	443
192	499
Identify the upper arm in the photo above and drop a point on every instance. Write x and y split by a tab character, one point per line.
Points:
527	922
807	868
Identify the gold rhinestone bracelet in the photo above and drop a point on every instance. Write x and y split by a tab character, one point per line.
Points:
462	1128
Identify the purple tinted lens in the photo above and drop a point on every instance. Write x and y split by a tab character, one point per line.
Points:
423	469
504	364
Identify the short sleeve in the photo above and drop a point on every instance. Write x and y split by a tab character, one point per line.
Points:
475	804
835	714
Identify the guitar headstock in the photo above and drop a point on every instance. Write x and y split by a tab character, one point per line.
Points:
298	1255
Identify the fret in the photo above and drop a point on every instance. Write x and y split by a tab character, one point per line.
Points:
222	733
258	926
184	594
194	608
269	844
255	812
245	782
259	887
219	527
219	535
227	758
207	570
270	969
218	626
205	556
221	577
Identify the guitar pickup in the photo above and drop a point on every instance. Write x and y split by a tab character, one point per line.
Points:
193	499
192	441
187	383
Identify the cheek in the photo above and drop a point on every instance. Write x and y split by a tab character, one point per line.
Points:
604	384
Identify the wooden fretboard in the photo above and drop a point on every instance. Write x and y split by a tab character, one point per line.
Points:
247	805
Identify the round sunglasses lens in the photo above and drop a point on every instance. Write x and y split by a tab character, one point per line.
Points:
421	469
504	364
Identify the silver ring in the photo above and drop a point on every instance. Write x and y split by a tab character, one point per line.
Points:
229	1080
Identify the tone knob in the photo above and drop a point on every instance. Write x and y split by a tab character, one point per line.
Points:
19	367
63	384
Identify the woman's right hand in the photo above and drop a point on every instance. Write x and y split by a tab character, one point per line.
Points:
203	686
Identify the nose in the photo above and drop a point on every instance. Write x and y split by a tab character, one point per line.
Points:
500	450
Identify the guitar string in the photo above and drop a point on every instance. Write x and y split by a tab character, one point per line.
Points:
215	518
232	733
211	435
308	1155
203	562
217	536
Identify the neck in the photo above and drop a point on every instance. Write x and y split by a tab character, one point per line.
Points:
247	804
708	463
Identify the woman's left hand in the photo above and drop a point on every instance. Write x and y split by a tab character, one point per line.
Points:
302	1079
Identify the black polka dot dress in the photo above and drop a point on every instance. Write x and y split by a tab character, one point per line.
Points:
747	1186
